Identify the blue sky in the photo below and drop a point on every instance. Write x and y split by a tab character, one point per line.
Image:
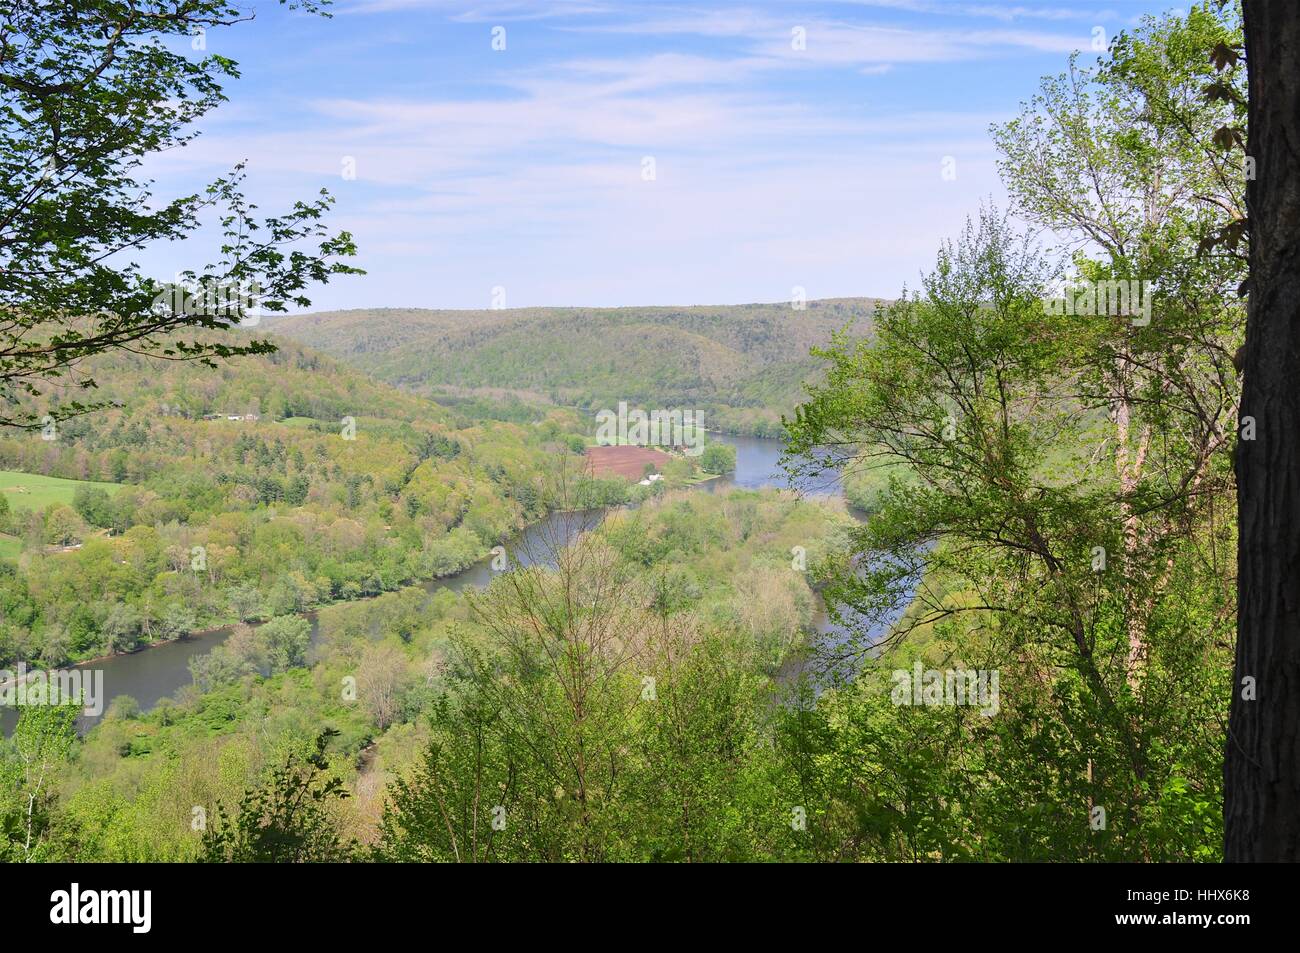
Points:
774	166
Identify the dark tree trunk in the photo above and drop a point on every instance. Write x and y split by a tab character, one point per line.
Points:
1262	765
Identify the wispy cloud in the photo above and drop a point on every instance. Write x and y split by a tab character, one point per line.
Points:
775	162
804	38
494	12
1008	12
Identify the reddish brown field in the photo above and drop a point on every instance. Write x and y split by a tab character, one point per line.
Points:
627	462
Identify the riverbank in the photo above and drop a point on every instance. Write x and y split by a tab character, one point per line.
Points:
158	671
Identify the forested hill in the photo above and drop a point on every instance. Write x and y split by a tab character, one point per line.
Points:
296	479
743	365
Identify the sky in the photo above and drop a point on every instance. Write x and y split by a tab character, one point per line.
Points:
593	153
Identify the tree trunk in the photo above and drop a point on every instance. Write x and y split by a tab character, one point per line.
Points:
1262	763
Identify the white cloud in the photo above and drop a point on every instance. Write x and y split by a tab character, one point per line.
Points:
838	41
530	176
483	12
1006	12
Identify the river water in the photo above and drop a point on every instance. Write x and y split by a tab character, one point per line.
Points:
155	673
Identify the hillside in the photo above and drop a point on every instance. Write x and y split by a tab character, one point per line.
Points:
267	485
743	365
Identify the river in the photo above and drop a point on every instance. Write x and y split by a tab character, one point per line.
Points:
157	672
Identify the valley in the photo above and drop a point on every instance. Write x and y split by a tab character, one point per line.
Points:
157	671
985	571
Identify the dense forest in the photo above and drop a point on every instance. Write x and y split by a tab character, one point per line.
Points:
741	366
327	487
698	600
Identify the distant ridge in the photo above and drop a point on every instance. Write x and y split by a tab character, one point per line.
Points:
743	365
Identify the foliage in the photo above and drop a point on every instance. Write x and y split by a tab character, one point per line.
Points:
718	458
242	520
1048	496
88	89
740	366
29	765
1067	477
287	819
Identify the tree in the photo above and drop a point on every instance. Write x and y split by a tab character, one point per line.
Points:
286	639
226	663
286	820
178	620
88	88
121	629
565	639
468	777
1261	771
1125	161
245	601
1009	547
94	505
62	525
381	680
718	458
41	744
700	789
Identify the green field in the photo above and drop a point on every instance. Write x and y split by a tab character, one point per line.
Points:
10	546
31	491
